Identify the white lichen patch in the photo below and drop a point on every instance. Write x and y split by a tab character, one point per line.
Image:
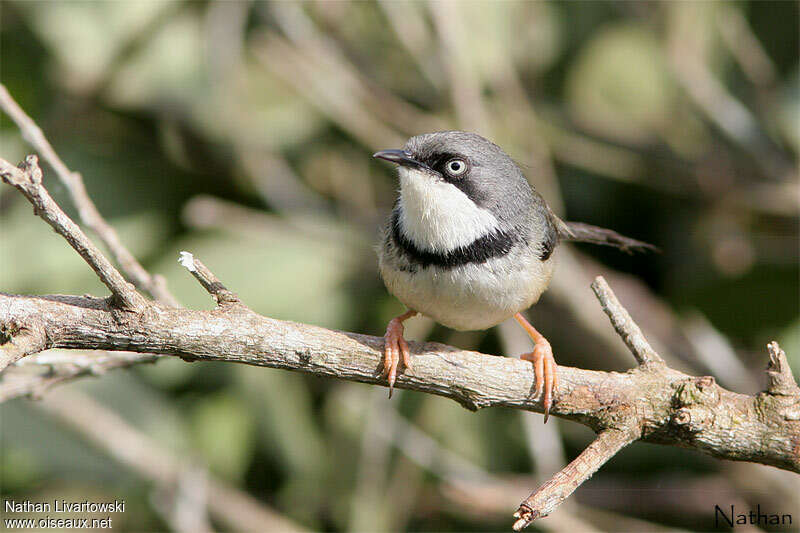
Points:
187	260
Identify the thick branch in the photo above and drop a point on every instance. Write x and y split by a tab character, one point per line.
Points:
671	407
22	341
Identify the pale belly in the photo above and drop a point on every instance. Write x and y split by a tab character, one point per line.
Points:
472	296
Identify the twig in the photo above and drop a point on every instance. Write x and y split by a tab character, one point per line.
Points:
207	279
780	380
89	215
491	500
624	324
39	372
547	497
28	180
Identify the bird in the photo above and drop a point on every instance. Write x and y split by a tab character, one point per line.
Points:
470	243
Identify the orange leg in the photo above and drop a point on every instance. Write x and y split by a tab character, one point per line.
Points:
544	365
395	346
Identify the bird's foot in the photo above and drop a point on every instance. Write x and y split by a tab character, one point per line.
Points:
395	347
544	368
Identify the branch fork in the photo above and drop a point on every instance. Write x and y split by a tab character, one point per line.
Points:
27	178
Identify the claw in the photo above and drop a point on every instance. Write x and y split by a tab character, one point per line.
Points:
544	365
395	347
406	352
544	369
390	364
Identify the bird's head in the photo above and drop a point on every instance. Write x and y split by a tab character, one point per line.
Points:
452	167
456	187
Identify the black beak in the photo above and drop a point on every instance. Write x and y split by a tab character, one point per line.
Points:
400	157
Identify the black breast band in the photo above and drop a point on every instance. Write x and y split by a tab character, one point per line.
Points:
495	244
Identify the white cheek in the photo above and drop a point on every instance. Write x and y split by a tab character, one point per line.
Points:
437	216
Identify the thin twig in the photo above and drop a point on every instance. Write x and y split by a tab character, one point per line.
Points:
780	380
40	372
28	180
89	215
546	498
624	324
207	279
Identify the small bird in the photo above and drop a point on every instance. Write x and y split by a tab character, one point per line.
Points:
470	244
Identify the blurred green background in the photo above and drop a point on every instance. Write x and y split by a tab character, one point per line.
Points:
243	132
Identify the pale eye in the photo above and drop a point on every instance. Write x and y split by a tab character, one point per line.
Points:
456	167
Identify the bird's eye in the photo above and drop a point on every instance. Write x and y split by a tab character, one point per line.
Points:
456	167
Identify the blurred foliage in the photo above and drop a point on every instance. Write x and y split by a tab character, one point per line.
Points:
242	132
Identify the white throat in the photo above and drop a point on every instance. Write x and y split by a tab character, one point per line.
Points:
437	216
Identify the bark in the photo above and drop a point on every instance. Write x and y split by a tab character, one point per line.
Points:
663	405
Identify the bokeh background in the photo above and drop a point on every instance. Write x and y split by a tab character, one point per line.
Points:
243	132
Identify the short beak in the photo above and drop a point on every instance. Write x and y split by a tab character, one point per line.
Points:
401	157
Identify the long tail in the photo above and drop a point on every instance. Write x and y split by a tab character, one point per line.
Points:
580	232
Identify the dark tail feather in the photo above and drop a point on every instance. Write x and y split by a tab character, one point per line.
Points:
580	232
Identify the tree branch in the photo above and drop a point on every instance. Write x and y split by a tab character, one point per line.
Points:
550	495
780	380
208	280
34	375
22	340
28	180
652	402
600	400
624	324
89	215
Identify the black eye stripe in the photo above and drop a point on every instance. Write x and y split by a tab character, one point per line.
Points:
439	160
